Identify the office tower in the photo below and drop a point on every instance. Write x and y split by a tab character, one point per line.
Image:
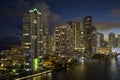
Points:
89	35
47	46
77	34
100	40
105	44
118	40
63	40
32	39
111	40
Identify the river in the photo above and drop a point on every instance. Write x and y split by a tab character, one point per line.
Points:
91	70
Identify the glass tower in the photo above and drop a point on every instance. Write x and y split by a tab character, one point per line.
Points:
32	39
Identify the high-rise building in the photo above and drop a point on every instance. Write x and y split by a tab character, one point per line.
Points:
118	40
89	35
100	40
77	36
47	46
105	44
111	40
63	40
32	39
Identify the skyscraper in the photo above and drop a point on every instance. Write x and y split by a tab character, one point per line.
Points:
118	38
32	39
100	40
47	46
63	40
116	42
75	26
89	35
111	40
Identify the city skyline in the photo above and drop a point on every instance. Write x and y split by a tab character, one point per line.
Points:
65	40
105	17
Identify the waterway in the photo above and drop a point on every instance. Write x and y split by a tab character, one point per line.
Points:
90	70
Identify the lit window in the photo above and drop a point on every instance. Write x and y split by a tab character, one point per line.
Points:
40	41
27	69
27	63
34	37
26	43
26	34
88	19
35	21
27	46
81	32
40	29
62	33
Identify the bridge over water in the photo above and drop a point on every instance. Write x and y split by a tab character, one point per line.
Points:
30	76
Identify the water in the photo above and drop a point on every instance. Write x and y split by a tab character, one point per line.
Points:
92	70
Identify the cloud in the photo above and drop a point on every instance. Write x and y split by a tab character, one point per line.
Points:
17	8
114	15
49	18
104	26
11	19
115	12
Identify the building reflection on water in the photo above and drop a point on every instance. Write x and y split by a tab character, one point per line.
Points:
96	70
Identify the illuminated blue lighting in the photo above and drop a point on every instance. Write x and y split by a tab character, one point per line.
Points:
118	56
30	60
26	54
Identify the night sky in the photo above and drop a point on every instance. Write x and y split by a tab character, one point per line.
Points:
105	13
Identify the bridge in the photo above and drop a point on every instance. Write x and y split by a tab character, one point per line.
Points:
30	76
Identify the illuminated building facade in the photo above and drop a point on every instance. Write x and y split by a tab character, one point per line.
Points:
100	40
63	40
111	40
32	39
89	35
77	36
104	50
118	40
9	59
47	46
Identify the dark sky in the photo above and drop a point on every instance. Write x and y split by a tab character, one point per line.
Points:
105	13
